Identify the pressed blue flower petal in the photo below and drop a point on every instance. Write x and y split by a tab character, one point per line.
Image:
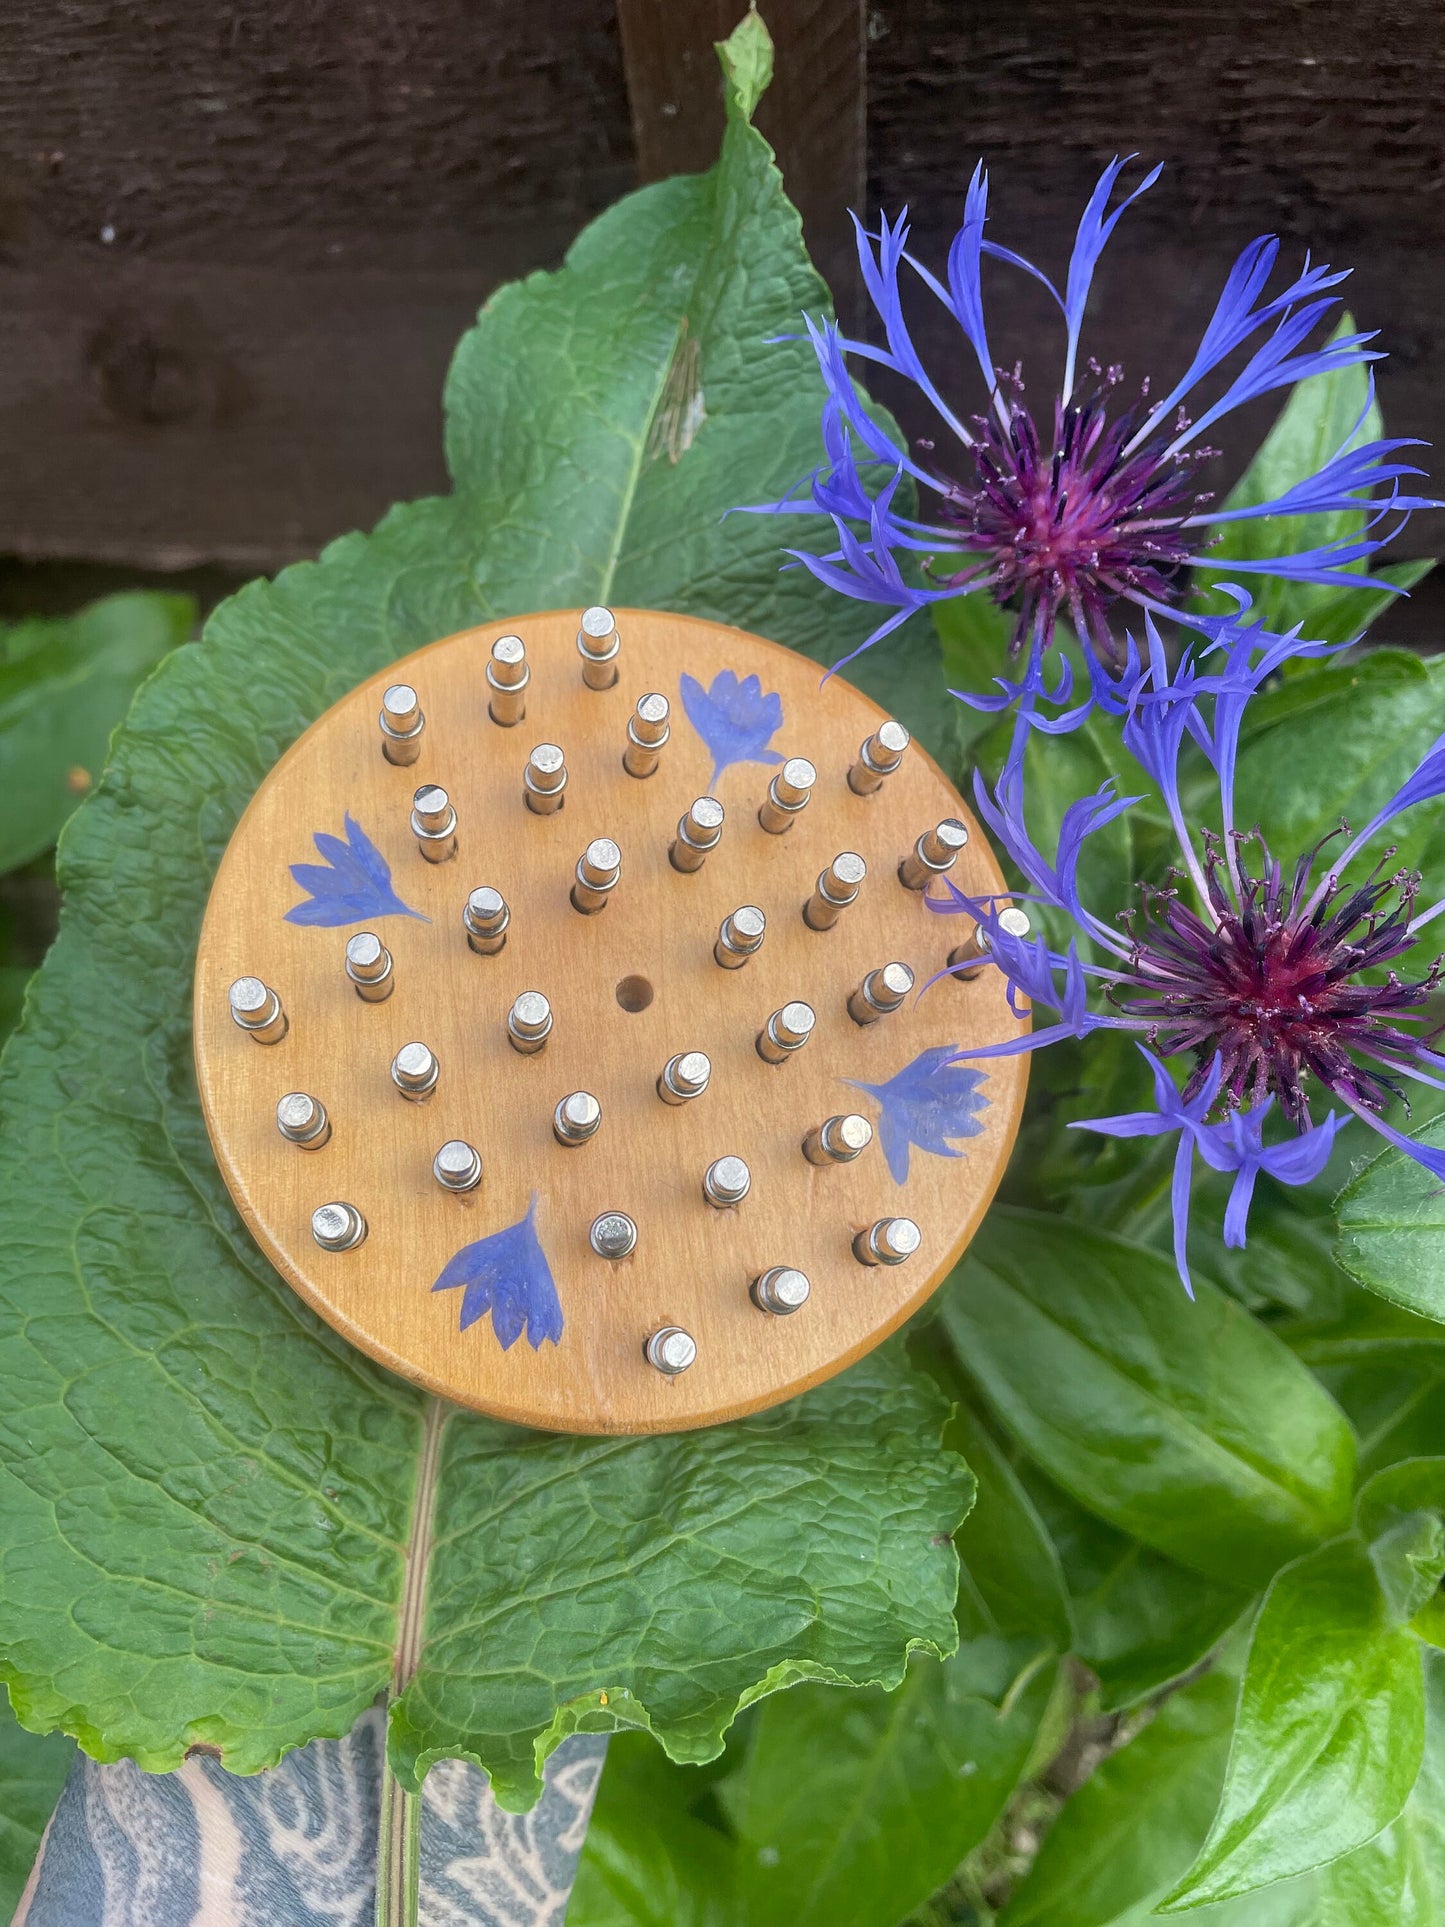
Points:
507	1274
735	719
930	1102
352	886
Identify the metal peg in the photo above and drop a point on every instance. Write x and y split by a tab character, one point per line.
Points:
880	993
836	888
697	833
301	1119
508	674
368	965
401	723
781	1290
786	1030
740	936
598	869
933	853
726	1182
671	1350
613	1235
457	1166
434	823
972	956
414	1071
544	781
337	1227
878	757
256	1008
576	1118
647	732
485	917
888	1242
683	1077
529	1023
838	1140
598	643
787	795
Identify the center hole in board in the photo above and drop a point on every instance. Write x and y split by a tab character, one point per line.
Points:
634	993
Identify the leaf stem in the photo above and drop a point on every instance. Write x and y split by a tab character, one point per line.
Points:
398	1861
398	1864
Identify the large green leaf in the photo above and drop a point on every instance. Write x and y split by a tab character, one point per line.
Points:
1187	1425
32	1772
65	682
1139	1619
1140	1818
215	1510
856	1807
649	1860
1337	741
1392	1230
1330	1733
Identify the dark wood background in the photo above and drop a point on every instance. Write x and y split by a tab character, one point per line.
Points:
238	242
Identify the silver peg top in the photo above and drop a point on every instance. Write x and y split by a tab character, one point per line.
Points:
414	1071
879	756
401	723
613	1235
726	1181
457	1166
598	644
670	1350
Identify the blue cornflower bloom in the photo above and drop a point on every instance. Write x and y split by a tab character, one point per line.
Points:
1280	988
1071	511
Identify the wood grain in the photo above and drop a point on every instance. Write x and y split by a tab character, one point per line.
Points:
693	1265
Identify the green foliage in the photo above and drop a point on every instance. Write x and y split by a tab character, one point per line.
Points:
208	1496
896	1789
1188	1426
32	1772
649	1859
1392	1230
1330	1732
1138	1821
65	682
1140	1620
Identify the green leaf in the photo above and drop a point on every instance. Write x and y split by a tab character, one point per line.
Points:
857	1807
1012	1586
215	1510
649	1861
737	1560
1330	1733
1138	1820
1401	1511
32	1772
1366	1330
65	682
1392	1229
1188	1426
1337	741
1140	1620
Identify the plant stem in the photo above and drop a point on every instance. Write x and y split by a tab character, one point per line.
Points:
398	1862
398	1858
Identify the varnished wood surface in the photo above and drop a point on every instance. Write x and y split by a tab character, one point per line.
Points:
693	1264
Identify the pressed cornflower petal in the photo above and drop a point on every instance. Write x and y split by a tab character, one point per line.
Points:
1276	988
1068	512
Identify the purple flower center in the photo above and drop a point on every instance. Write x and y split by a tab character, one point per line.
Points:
1074	527
1273	982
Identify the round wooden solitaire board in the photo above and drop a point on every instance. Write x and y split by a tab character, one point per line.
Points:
693	1264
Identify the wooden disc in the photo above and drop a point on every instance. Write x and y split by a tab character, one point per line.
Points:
495	1298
